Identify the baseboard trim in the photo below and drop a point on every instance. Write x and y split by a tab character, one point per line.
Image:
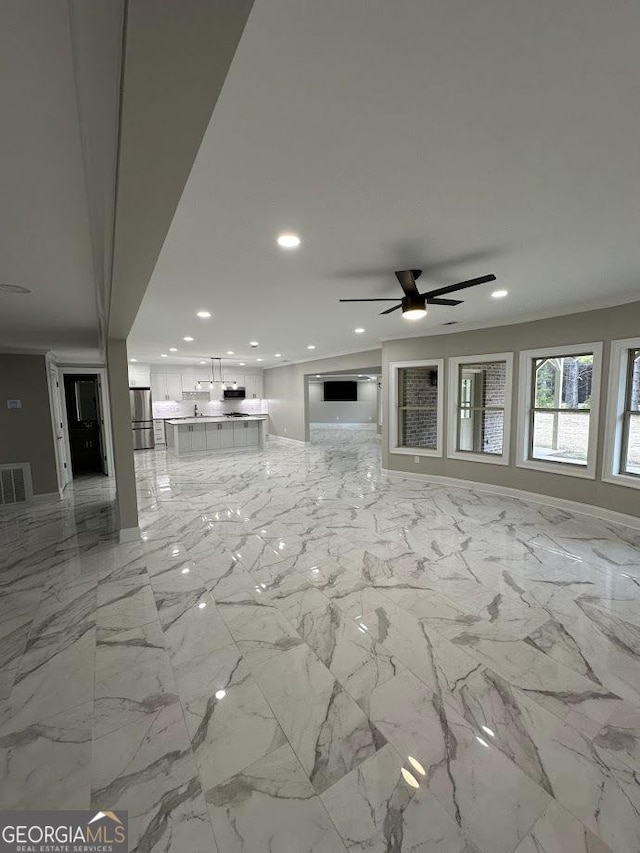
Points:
46	496
574	507
287	440
129	534
345	425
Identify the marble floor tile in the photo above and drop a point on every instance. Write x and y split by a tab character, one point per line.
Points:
271	806
259	629
559	832
229	721
303	654
148	768
47	764
382	806
348	650
492	801
328	731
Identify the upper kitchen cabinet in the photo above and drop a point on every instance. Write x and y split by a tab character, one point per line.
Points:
139	376
166	386
253	386
189	383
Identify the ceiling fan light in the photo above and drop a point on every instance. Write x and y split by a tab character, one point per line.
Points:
414	313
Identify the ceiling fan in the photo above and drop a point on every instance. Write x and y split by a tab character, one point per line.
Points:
413	303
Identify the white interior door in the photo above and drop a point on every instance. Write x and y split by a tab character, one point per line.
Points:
57	421
103	435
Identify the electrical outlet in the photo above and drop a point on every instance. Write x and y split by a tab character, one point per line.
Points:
416	459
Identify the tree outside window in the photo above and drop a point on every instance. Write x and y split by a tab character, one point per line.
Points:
561	408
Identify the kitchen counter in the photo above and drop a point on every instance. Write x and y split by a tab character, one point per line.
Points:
217	419
215	434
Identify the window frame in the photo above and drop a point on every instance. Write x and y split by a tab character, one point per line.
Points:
436	364
614	434
525	409
453	367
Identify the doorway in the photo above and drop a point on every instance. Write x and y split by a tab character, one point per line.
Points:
471	396
82	396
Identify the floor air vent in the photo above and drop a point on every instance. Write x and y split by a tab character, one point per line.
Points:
14	484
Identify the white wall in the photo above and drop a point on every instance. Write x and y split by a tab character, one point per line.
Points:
361	412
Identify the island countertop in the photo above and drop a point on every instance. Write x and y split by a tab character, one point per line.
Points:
221	419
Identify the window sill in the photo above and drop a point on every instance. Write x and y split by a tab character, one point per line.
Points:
489	458
564	469
415	451
626	480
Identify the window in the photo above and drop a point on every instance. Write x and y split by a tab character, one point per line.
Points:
480	394
560	409
622	441
630	461
415	417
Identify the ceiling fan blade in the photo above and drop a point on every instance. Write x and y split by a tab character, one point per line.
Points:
407	279
451	288
374	299
389	310
436	301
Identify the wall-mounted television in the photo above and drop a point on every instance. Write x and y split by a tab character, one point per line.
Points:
340	391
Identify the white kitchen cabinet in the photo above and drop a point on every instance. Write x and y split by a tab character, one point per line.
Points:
230	378
189	382
174	386
240	435
166	386
199	437
253	386
139	377
226	436
213	436
253	433
184	439
246	434
158	387
158	432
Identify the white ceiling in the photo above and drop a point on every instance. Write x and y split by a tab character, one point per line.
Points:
44	228
467	137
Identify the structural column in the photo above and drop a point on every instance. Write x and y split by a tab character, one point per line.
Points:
122	440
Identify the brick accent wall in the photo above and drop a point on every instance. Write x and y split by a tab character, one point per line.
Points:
495	377
416	388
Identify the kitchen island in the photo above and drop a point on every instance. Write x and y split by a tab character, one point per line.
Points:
215	434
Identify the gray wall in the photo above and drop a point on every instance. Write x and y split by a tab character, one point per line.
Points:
341	411
286	389
604	325
26	434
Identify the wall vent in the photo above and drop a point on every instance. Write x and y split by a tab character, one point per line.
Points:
15	484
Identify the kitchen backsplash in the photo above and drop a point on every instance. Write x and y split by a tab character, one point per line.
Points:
184	408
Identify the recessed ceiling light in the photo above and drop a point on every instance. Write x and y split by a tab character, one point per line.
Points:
204	314
242	364
499	294
14	288
164	355
254	344
317	376
288	240
133	359
259	359
277	355
220	694
311	346
203	362
359	331
187	338
229	352
173	349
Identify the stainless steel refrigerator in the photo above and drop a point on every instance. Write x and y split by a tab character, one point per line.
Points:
141	418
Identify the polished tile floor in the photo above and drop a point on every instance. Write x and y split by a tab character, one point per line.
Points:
302	655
